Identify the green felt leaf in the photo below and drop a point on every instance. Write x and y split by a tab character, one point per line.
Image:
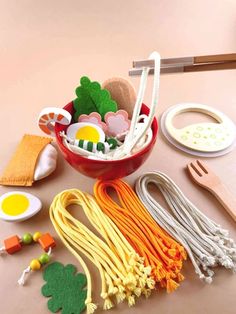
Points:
92	98
65	287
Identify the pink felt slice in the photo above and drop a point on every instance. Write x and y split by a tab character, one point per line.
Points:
117	122
93	118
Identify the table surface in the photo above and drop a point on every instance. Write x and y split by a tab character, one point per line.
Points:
45	47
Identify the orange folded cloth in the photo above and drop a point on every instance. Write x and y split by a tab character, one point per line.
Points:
20	170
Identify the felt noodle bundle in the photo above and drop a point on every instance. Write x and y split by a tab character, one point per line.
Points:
160	252
206	243
122	271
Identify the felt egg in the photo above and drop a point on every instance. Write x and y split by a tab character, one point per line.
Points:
85	131
18	206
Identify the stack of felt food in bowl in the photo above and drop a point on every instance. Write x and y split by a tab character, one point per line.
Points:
106	122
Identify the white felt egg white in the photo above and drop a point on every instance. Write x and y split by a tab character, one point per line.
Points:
85	131
46	163
18	206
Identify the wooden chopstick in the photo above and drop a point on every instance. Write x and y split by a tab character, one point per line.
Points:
188	64
210	67
230	57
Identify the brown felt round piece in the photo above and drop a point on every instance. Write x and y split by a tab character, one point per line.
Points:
123	92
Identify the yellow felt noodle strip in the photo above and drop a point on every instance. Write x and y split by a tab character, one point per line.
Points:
160	252
122	271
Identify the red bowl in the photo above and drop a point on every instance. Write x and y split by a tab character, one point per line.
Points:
101	169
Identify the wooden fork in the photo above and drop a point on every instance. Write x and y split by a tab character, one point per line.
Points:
205	177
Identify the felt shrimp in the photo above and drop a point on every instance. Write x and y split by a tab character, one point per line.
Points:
51	115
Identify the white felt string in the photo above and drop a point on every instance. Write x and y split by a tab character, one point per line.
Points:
206	243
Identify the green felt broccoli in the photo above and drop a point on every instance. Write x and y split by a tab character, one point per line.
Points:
92	98
65	288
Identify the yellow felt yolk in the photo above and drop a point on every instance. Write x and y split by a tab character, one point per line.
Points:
15	204
88	133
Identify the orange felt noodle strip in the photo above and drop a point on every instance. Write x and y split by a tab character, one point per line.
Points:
161	252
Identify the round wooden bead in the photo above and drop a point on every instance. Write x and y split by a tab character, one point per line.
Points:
27	238
35	264
44	258
36	236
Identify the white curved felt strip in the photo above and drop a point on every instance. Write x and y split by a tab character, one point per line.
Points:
46	163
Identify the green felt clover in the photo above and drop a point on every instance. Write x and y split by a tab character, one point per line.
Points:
65	288
92	98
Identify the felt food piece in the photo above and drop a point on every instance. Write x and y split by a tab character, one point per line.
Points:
123	92
20	171
65	287
46	163
85	131
92	98
18	206
94	118
51	115
117	122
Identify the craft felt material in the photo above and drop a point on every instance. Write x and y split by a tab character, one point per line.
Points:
94	118
51	115
201	139
14	244
108	150
92	98
18	206
160	252
140	133
117	122
208	245
86	148
46	162
21	168
85	131
122	270
123	92
65	287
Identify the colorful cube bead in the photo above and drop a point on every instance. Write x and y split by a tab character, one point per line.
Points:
12	244
46	241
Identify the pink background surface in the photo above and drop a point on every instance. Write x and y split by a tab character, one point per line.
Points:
45	47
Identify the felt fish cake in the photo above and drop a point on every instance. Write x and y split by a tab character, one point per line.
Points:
18	206
117	122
